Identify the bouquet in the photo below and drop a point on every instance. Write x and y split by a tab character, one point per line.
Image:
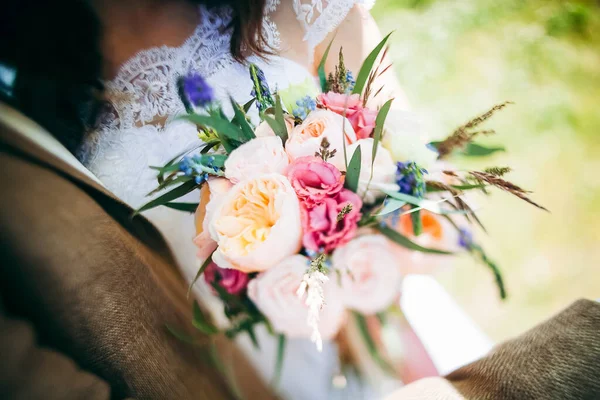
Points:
314	213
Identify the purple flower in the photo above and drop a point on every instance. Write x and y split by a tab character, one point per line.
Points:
198	92
410	179
465	239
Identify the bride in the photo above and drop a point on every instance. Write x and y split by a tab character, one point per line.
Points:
146	45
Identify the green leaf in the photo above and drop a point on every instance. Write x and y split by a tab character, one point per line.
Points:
280	118
169	196
247	106
201	323
279	360
403	241
240	120
187	207
476	150
166	169
391	206
229	134
363	328
416	222
321	68
379	123
425	204
182	336
478	252
280	130
210	145
199	273
170	182
353	172
367	66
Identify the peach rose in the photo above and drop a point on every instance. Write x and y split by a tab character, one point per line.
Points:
210	196
370	273
258	156
305	139
274	293
257	224
265	130
384	171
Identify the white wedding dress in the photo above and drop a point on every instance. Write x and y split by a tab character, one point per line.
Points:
129	140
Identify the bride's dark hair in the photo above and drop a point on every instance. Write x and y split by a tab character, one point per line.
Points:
55	48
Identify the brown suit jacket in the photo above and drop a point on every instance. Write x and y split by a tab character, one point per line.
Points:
85	285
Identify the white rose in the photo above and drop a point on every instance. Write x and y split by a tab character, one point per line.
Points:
274	293
370	271
257	224
404	138
258	156
384	170
305	139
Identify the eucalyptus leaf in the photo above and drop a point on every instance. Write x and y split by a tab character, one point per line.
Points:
279	360
474	150
248	105
199	273
367	67
280	130
227	131
201	323
187	207
240	120
363	329
378	131
403	241
390	206
175	180
425	204
280	118
353	171
176	193
321	69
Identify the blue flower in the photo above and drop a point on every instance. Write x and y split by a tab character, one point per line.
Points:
465	239
305	106
197	91
350	81
410	179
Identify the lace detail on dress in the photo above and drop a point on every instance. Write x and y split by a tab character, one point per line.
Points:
320	17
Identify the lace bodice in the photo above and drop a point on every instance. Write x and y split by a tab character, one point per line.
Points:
139	130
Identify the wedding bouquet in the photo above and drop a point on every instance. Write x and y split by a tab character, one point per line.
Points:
314	213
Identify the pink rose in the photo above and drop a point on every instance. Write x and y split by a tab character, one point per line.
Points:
361	118
320	224
233	281
314	179
274	293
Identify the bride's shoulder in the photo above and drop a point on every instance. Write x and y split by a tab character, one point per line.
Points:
313	19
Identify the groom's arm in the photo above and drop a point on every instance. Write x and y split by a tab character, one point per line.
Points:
29	371
559	359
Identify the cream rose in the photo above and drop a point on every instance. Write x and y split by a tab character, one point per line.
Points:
370	273
265	130
405	140
210	196
257	157
257	224
305	139
384	171
274	293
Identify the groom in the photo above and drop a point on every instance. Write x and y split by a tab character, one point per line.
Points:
86	291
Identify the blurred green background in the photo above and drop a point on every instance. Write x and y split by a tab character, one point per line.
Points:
457	58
